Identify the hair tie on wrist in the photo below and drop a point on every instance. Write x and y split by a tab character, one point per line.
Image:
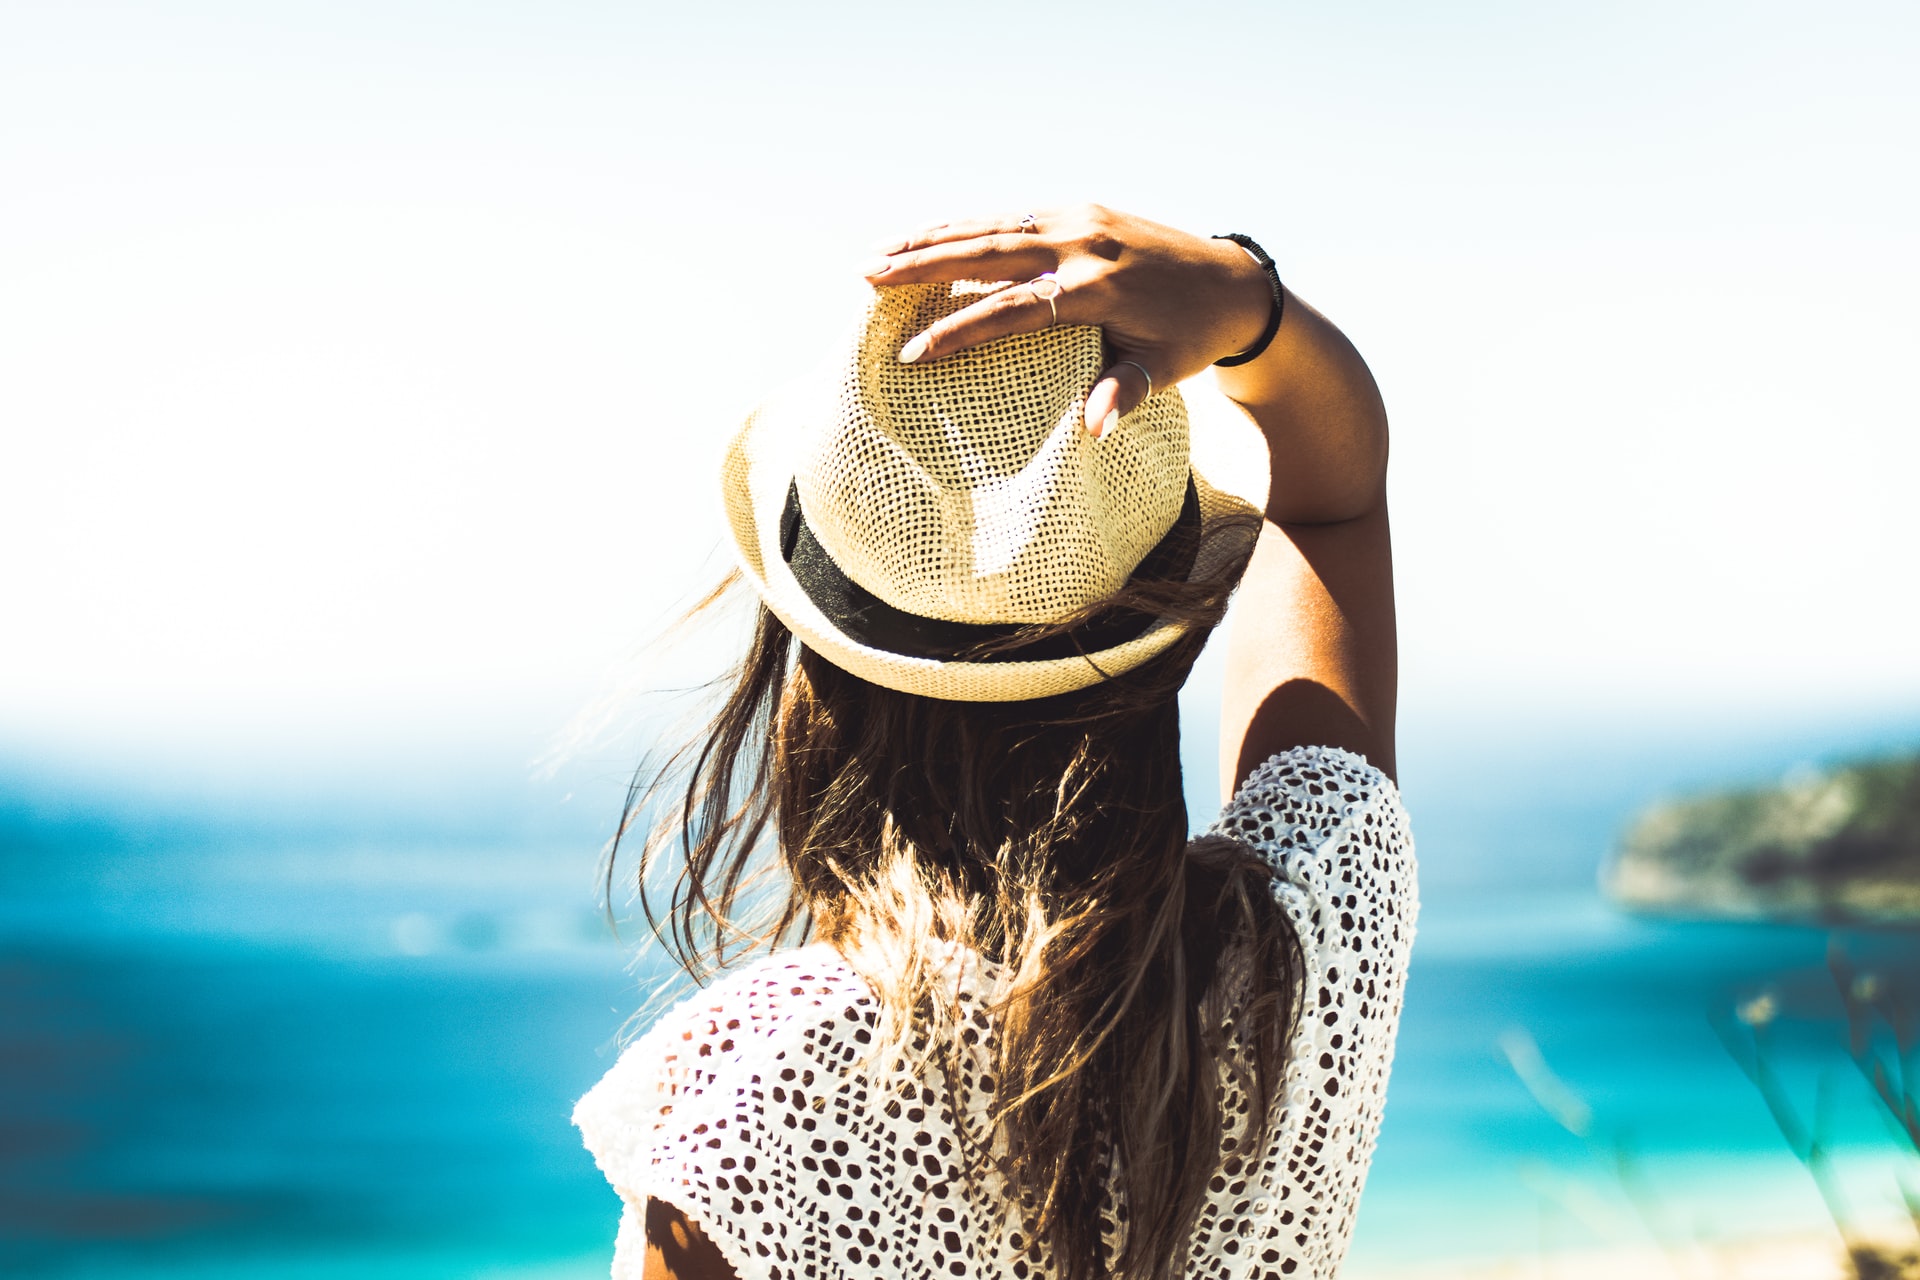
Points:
1279	300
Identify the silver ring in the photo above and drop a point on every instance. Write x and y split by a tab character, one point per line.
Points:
1143	373
1049	298
1030	223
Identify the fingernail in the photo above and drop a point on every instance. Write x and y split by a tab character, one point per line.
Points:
875	267
1109	423
914	349
890	248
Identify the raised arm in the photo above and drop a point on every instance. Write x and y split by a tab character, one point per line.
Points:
1311	657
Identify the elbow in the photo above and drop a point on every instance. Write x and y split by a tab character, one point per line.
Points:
1349	487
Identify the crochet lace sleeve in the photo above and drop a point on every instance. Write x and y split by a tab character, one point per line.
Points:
1333	828
733	1108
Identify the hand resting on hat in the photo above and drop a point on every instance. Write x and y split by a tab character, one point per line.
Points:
1312	654
1170	303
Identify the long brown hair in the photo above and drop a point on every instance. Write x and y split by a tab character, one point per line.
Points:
1048	837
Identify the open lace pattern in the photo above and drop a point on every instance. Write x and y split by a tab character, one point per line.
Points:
752	1106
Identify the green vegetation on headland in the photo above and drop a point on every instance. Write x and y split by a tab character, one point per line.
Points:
1832	847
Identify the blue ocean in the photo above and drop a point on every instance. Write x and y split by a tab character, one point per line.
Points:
306	1035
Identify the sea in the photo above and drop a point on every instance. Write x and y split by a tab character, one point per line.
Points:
276	1032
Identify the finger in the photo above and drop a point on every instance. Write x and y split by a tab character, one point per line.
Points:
1000	255
1117	393
965	229
1020	308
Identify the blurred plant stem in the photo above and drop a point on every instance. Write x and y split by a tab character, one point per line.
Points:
1745	1036
1889	1075
1882	1041
1868	1002
1615	1151
1867	999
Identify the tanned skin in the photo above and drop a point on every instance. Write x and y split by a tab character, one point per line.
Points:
1312	656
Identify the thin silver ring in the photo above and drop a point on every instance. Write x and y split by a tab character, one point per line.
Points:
1049	298
1143	373
1030	223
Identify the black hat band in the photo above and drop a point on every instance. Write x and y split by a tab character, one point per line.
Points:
866	619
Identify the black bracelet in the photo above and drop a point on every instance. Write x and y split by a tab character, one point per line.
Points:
1279	300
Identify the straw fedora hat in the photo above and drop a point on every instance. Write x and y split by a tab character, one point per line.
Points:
898	517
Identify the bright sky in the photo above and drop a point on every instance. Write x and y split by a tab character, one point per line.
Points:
369	360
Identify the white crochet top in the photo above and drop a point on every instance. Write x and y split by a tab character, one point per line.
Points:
748	1106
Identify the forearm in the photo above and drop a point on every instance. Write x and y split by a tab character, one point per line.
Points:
1325	424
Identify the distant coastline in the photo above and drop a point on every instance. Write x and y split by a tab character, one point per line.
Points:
1833	846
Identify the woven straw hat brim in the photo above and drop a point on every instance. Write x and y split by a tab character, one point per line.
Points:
1230	475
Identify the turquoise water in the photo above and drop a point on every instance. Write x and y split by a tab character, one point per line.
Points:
242	1046
1624	1013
